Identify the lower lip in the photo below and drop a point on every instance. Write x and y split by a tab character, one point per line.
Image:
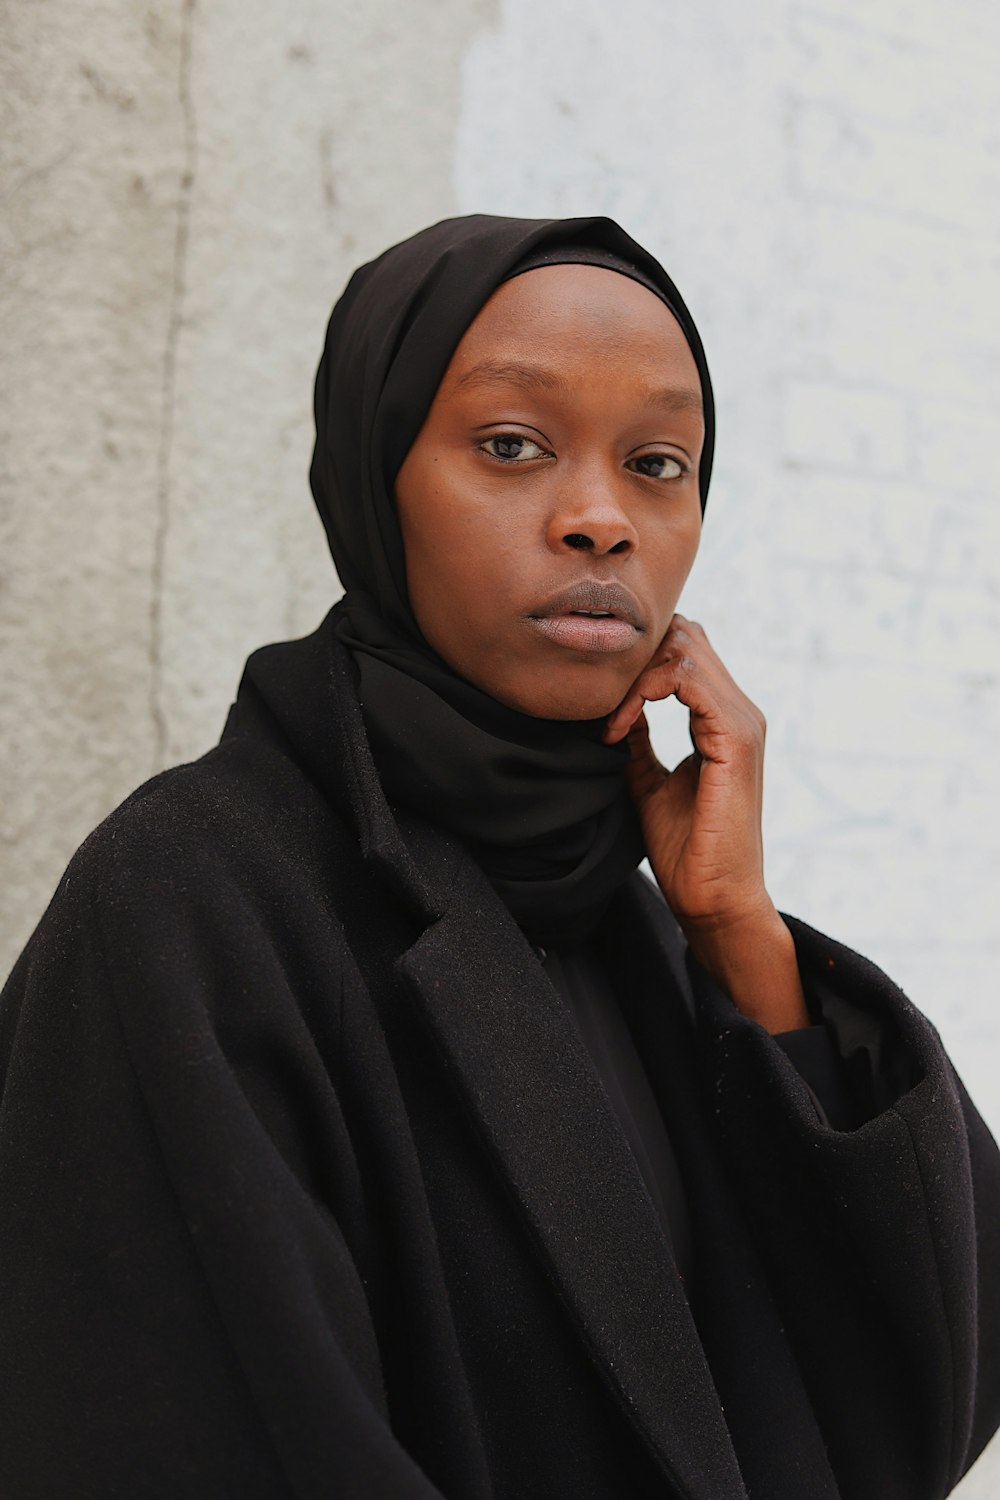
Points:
580	633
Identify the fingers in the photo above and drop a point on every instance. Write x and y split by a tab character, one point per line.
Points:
686	667
644	773
672	666
660	680
622	719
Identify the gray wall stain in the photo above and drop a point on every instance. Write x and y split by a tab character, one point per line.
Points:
161	529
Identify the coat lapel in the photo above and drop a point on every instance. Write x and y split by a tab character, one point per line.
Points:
516	1056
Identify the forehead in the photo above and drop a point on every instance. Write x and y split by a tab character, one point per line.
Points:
568	327
574	310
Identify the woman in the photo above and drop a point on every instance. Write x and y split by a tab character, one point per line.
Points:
371	1126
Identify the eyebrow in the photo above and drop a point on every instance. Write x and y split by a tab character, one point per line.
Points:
510	372
542	378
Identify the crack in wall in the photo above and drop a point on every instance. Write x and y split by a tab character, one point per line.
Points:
168	389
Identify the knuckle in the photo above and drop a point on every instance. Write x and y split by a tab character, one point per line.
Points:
748	733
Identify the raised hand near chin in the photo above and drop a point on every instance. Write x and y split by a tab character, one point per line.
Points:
701	824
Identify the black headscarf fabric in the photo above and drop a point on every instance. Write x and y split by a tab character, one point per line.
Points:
541	803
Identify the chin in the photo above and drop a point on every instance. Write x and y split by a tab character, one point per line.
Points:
562	699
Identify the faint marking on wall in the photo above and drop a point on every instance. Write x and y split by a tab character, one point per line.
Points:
174	323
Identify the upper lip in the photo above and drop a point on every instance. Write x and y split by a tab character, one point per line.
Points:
592	596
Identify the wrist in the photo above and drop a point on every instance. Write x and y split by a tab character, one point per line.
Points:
719	939
751	955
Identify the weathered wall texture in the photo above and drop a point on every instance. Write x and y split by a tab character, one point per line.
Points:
187	187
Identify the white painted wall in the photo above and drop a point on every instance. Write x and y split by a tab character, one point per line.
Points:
823	184
187	187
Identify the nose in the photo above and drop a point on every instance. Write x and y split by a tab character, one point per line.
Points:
591	518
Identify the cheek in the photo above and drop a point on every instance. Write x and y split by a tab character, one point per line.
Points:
459	544
671	554
461	556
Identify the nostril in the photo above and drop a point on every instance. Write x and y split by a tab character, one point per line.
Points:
621	546
577	539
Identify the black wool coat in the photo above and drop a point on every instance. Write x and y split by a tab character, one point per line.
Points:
309	1186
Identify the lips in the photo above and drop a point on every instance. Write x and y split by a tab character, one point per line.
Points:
591	597
591	616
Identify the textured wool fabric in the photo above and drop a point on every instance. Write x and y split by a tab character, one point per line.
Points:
310	1186
826	1055
542	804
584	983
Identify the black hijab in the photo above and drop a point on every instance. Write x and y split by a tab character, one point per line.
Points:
541	803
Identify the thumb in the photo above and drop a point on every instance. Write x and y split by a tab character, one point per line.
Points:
644	774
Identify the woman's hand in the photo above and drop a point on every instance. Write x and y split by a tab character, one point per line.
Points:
701	824
702	821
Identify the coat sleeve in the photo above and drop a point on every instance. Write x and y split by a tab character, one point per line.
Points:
881	1242
179	1311
852	1061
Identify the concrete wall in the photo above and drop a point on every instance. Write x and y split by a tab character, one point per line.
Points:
187	187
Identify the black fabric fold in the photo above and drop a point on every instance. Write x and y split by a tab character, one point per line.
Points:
540	803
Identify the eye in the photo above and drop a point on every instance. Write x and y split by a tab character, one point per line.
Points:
658	466
512	448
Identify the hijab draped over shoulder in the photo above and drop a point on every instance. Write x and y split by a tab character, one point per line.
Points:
542	804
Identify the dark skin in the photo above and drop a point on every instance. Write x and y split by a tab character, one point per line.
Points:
550	515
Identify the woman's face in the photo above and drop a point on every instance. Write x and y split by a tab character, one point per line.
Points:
549	506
